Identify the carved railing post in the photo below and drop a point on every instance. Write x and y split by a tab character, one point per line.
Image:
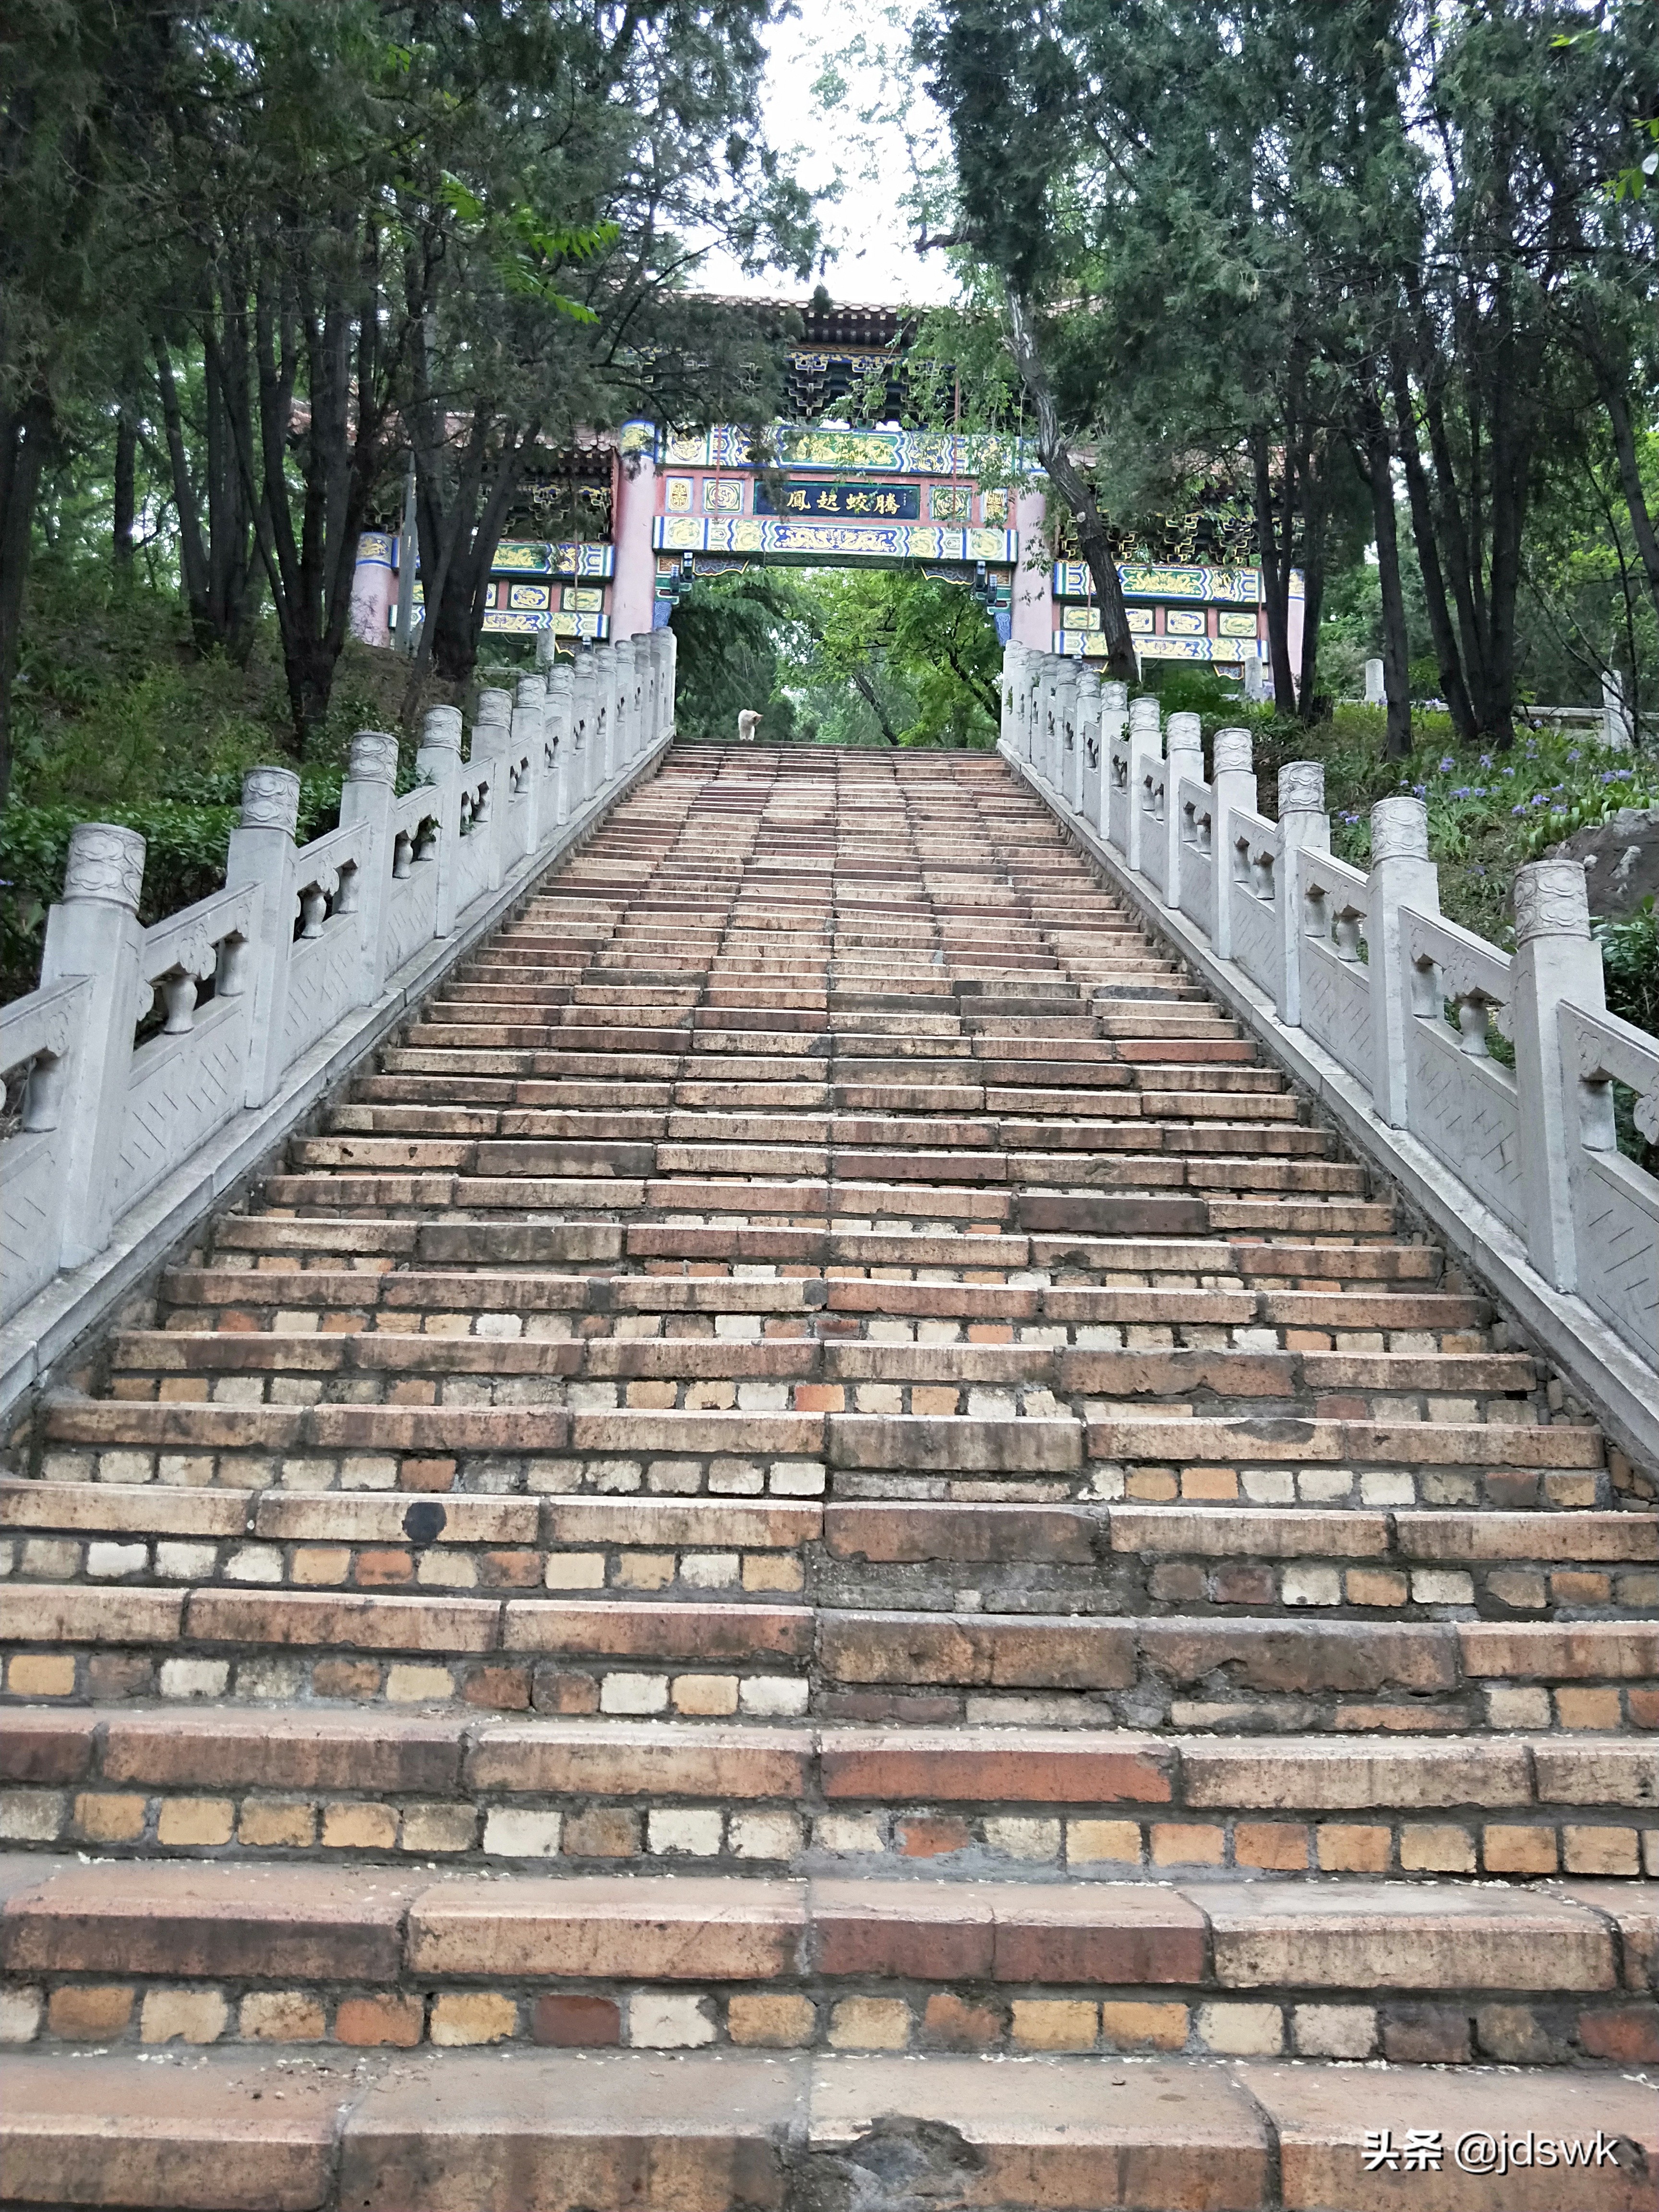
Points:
488	755
366	796
1401	874
558	734
602	729
532	800
1146	747
1088	746
439	760
94	932
582	769
1068	763
1184	748
262	852
1303	826
1556	958
1233	785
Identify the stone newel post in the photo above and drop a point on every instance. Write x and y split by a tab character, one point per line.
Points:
439	760
584	774
366	796
532	808
1090	758
1304	825
1184	743
558	734
1233	784
262	852
1555	958
1146	749
92	931
1401	874
1068	762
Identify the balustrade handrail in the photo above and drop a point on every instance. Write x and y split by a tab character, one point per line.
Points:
301	944
1363	964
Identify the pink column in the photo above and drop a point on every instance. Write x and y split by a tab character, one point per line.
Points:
1033	604
373	588
633	587
1294	612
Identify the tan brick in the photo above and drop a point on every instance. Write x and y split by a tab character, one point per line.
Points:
1053	2024
708	1696
647	1570
772	1571
1518	1849
870	2024
359	1827
1346	1848
602	1832
91	2013
1376	1586
417	1685
464	2016
1428	1849
1117	1842
1588	1709
365	2022
779	2022
1281	1845
106	1818
199	1821
952	2022
1182	1843
277	1823
1135	2027
282	2016
320	1566
1241	2030
41	1674
183	2016
439	1828
1600	1851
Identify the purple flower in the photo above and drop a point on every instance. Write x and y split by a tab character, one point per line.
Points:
1447	765
1419	790
1485	760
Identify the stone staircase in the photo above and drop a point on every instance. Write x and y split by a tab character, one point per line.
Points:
822	1554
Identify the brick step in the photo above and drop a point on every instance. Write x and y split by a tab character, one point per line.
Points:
1219	1965
1113	1559
702	2131
553	1447
892	1308
545	1178
1053	1119
1145	1157
638	1656
1434	1386
184	1778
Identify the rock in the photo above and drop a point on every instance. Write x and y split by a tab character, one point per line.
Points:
1621	860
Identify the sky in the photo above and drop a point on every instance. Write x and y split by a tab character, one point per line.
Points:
861	140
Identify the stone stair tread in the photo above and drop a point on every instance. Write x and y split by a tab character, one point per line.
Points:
699	2131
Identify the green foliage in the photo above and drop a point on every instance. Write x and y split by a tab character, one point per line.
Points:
119	721
730	647
1629	960
920	656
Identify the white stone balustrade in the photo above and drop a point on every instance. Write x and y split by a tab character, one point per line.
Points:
153	1064
1370	994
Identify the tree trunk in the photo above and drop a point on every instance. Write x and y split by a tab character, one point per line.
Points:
1452	687
1617	402
1315	504
1275	574
25	434
1378	472
126	482
1092	540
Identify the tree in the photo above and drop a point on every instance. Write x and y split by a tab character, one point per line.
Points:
82	83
